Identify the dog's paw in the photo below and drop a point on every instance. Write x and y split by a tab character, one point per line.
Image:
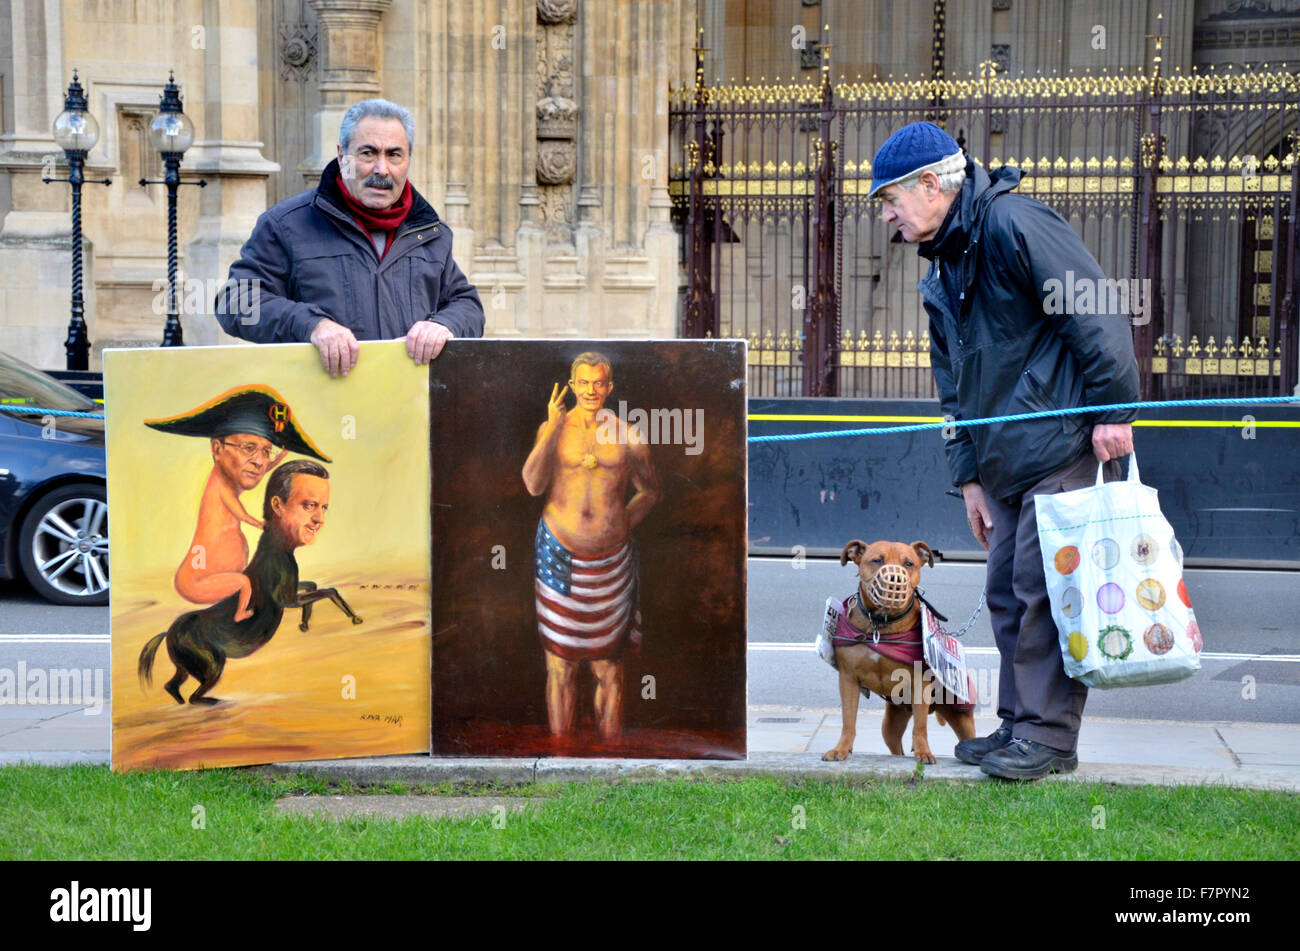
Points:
836	755
925	756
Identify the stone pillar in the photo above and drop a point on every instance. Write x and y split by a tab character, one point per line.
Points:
351	61
661	242
229	158
36	225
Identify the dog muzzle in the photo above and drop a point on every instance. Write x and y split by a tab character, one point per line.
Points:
890	588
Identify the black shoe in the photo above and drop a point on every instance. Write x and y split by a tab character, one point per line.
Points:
976	748
1025	759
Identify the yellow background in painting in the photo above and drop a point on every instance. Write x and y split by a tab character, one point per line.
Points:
379	480
286	701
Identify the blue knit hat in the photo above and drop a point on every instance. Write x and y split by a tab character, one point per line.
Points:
910	148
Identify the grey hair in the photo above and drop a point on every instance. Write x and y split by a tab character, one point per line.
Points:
951	172
375	108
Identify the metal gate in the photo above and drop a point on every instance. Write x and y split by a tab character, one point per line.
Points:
1185	188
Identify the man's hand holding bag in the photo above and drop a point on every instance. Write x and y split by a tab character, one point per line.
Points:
1115	580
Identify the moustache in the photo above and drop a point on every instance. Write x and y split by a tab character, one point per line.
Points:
378	181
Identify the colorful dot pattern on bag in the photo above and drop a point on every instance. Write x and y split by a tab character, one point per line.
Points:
1158	639
1067	559
1105	554
1115	642
1110	598
1112	567
1145	550
1150	594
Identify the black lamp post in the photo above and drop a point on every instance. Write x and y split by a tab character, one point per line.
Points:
171	133
76	132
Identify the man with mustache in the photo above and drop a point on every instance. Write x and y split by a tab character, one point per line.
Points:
362	257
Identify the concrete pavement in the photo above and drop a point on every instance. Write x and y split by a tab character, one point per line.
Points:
783	741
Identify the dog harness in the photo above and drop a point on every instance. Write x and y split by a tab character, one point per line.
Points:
902	646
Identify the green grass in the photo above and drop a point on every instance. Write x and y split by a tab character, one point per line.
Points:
89	813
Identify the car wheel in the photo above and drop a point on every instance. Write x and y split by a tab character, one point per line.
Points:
63	546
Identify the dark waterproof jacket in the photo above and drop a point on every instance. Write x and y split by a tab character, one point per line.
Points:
996	350
308	259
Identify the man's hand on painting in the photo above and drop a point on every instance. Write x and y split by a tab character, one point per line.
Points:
337	345
555	408
425	340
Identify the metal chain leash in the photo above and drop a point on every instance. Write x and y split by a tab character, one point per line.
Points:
973	618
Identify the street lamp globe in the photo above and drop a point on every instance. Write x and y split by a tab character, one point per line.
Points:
171	132
76	130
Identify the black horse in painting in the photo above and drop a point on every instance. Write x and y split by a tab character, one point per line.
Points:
200	642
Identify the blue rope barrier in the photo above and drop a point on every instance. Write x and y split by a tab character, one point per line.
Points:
880	430
5	408
922	427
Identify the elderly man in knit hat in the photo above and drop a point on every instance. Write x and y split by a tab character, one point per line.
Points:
363	256
1000	346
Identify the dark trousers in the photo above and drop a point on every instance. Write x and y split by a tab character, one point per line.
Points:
1035	697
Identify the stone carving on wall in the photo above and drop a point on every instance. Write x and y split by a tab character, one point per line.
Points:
1241	9
291	45
136	156
810	55
557	214
297	51
556	163
557	114
552	12
1000	53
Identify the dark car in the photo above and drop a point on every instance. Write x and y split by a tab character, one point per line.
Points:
53	507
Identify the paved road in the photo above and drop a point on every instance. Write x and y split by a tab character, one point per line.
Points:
1246	615
1243	613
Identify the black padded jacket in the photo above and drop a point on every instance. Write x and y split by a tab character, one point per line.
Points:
1001	342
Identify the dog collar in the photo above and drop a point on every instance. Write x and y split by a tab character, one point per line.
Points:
879	618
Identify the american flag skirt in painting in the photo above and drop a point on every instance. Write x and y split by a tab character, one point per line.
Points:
586	607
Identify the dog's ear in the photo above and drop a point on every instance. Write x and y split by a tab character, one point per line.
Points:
923	552
853	552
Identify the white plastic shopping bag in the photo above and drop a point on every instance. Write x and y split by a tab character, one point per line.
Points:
1115	579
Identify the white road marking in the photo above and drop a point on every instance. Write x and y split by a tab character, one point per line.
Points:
54	639
993	652
764	646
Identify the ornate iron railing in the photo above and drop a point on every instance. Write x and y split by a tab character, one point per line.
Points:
1184	187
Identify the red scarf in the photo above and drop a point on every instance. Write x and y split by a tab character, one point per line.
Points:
386	219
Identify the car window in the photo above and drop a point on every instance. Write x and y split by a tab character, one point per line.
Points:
24	385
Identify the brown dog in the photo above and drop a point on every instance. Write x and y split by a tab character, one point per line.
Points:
889	605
